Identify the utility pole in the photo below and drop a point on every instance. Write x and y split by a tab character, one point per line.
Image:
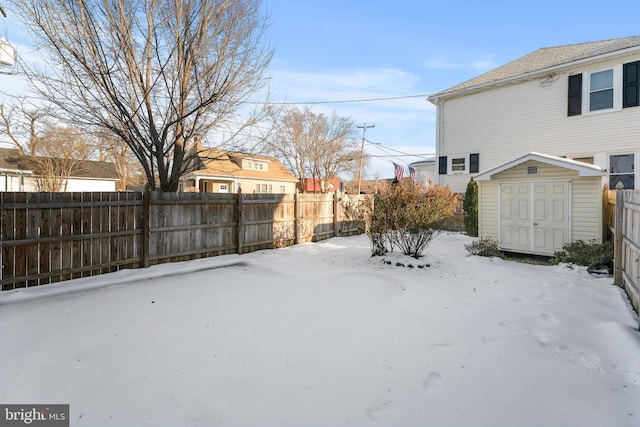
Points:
364	128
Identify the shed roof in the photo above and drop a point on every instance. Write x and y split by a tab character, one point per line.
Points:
542	60
583	169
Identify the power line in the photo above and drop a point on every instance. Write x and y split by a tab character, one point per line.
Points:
424	155
343	101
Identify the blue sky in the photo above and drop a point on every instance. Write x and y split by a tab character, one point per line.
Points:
341	50
330	50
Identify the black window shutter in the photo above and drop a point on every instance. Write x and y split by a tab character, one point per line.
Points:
442	165
631	84
575	95
474	163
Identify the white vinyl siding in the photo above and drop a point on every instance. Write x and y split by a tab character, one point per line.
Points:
586	199
505	122
488	209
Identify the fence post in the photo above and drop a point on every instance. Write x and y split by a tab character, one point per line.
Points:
617	241
146	226
336	230
296	220
240	231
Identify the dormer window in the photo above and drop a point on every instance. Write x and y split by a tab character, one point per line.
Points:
256	165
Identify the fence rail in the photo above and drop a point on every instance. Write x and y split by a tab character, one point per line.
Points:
622	216
49	237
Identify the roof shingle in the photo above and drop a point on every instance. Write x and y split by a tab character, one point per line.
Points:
542	59
11	159
222	163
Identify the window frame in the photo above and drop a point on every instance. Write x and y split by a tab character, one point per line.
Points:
609	89
616	88
465	164
617	174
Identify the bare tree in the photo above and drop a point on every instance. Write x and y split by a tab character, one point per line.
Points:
312	145
60	150
154	74
116	151
22	125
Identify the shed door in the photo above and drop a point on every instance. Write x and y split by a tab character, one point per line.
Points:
534	216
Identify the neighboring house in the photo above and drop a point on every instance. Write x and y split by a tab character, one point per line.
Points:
561	115
316	185
31	173
425	171
367	186
228	172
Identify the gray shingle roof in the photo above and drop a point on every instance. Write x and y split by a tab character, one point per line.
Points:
542	59
11	159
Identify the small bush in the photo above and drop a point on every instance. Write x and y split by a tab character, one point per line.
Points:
356	213
407	216
484	247
592	254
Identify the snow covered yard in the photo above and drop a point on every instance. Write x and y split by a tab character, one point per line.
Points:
321	334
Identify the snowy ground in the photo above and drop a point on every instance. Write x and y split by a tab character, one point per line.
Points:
321	334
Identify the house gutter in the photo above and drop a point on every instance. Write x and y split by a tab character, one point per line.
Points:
435	99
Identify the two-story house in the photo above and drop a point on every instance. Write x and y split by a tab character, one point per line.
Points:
542	135
228	172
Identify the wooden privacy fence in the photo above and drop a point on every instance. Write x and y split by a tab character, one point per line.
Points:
622	216
49	237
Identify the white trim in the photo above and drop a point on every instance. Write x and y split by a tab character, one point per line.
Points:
636	165
450	158
617	90
583	169
570	213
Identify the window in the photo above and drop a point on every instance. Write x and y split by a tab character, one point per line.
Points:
458	164
613	89
257	188
588	160
282	189
223	188
621	169
205	187
532	170
601	90
466	163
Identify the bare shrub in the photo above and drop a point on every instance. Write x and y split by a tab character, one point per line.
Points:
407	216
